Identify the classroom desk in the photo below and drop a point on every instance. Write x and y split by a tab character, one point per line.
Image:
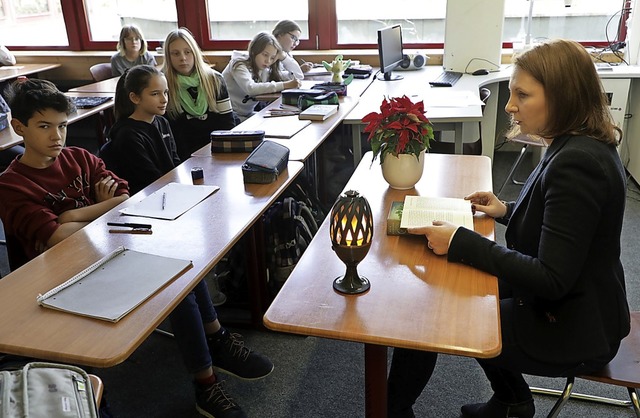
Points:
417	300
9	139
303	144
204	234
14	71
440	103
104	86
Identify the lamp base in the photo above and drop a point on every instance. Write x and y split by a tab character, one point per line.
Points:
351	286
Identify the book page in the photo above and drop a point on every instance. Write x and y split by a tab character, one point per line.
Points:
422	211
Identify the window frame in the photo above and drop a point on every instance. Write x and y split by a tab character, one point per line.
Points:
195	16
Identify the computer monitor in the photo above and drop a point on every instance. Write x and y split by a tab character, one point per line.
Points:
390	52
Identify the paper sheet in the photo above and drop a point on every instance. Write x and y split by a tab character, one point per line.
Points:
171	201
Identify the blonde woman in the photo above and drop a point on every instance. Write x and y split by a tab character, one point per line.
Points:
199	99
132	51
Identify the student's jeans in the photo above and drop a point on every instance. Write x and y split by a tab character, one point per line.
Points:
187	322
411	369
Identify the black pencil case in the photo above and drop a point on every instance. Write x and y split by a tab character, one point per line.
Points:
290	96
235	141
265	163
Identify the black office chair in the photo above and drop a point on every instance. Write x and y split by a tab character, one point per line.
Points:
526	141
470	148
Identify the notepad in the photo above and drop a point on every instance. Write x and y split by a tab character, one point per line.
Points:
170	201
114	285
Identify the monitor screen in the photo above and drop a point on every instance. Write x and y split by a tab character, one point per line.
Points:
389	51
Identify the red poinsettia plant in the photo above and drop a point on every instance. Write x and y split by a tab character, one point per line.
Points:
400	128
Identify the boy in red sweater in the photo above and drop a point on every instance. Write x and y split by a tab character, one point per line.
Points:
50	191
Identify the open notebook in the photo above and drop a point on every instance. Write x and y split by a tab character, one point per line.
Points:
114	285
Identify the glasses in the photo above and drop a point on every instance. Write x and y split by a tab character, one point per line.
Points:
294	38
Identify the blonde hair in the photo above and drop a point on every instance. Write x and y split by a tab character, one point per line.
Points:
576	101
208	79
126	31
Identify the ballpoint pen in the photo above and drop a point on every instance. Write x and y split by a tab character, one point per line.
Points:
164	200
129	225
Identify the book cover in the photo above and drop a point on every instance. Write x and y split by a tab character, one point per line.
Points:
420	211
318	112
394	218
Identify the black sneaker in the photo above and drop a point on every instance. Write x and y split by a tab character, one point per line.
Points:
213	402
229	355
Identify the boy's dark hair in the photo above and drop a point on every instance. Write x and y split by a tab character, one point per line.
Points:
28	96
134	80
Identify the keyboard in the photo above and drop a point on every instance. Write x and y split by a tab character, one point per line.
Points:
87	102
446	79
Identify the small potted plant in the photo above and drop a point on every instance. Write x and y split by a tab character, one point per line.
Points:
400	134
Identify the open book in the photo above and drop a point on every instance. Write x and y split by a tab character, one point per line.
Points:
114	285
421	211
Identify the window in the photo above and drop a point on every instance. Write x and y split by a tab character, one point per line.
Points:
585	20
155	18
224	23
358	23
33	23
326	24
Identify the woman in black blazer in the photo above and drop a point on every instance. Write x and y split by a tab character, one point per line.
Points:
563	306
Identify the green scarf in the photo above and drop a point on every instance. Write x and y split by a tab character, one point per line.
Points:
199	106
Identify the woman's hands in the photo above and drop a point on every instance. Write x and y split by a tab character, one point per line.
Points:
306	66
487	202
438	235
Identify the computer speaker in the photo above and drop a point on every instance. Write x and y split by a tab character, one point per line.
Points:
413	61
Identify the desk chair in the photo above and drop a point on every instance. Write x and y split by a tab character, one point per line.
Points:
101	71
470	148
97	387
623	370
526	141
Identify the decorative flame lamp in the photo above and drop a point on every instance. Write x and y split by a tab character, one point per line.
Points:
351	232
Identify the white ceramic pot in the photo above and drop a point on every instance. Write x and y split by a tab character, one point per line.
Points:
404	171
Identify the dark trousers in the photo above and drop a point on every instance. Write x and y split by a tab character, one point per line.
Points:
411	370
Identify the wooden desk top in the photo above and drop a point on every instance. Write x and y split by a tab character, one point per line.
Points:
204	234
15	71
305	142
104	86
417	299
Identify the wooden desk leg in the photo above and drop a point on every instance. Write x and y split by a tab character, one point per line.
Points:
257	273
375	380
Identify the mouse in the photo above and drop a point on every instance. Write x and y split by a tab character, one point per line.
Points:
480	71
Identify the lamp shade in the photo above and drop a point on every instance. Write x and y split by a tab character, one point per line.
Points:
351	232
351	221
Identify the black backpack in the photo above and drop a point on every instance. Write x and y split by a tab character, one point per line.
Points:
289	228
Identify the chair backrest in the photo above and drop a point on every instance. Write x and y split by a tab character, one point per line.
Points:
101	71
485	93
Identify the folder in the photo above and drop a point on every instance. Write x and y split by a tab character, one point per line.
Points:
114	285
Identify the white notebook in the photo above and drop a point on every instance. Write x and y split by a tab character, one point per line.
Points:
114	285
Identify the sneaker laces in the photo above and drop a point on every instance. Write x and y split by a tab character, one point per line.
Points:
217	395
237	348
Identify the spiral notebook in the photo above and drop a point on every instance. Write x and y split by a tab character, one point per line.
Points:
114	285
